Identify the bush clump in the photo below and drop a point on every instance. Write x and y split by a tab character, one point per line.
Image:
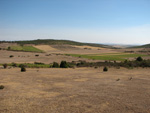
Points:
36	55
1	87
63	64
11	56
9	48
55	65
23	69
5	66
139	59
14	64
105	69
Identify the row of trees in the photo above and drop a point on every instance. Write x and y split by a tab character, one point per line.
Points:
63	64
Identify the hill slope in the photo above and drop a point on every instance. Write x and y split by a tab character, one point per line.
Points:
143	46
55	42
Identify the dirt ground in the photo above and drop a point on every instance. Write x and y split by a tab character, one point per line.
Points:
80	90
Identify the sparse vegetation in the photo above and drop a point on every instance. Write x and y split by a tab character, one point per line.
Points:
126	63
14	64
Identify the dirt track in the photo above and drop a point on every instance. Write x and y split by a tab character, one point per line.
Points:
83	90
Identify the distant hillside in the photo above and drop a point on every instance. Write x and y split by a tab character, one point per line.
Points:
55	42
143	46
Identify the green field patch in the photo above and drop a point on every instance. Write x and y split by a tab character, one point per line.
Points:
24	48
104	54
110	56
29	65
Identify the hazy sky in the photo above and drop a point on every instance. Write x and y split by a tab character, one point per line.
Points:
96	21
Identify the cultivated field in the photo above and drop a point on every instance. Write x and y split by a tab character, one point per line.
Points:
81	90
109	56
24	48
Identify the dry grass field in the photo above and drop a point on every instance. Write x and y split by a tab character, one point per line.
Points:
29	57
80	90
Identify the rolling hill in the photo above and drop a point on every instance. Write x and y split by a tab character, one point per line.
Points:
56	42
142	46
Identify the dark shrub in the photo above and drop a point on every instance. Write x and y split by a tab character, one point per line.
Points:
5	66
1	87
126	61
36	55
118	79
23	69
95	67
11	56
105	69
14	64
63	64
55	65
139	59
9	48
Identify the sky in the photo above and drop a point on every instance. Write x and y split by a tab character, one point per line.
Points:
93	21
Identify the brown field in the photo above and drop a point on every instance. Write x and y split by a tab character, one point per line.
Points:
45	48
29	57
54	53
81	90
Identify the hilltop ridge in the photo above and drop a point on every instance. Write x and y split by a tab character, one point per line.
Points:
56	42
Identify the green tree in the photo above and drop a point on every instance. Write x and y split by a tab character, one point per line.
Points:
139	59
55	65
63	64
